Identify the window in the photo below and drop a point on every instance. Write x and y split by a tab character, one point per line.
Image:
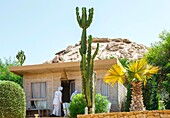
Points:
105	89
38	95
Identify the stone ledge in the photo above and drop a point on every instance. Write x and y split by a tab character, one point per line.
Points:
133	114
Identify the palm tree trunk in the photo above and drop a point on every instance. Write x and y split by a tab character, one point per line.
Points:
137	97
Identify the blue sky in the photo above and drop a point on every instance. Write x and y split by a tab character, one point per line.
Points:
43	27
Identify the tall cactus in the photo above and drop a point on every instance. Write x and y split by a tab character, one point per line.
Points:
87	60
21	57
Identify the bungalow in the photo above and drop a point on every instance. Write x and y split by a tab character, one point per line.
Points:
41	81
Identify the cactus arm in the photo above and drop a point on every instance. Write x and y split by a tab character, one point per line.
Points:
88	94
80	51
89	71
84	65
93	91
83	71
94	55
90	17
96	51
84	18
78	16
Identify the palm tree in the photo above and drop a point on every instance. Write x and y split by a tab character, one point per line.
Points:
136	72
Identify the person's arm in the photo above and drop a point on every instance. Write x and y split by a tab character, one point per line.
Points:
60	97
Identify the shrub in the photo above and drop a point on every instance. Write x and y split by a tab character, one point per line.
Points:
101	103
77	105
128	97
150	94
12	100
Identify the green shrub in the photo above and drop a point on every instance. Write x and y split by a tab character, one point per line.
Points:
128	97
77	105
101	103
150	94
12	100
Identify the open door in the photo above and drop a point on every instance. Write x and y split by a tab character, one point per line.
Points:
68	89
72	86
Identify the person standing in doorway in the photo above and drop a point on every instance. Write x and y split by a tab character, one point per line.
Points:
57	102
73	94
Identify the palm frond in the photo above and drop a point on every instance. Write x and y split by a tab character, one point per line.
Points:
138	70
151	70
115	74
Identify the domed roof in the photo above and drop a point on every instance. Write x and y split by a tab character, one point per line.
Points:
119	48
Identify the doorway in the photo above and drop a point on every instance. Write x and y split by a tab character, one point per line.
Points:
68	89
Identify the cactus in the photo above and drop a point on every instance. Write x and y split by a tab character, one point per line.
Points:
87	60
21	57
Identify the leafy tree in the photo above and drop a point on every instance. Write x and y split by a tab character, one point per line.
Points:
137	72
5	73
159	55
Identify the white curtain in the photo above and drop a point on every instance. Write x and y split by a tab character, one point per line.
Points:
41	104
38	92
105	89
34	88
42	90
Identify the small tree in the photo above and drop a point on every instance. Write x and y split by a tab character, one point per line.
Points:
136	73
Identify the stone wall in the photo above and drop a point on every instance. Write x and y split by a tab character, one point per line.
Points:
136	114
116	94
52	81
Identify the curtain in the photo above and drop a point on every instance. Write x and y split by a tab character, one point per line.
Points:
105	89
41	104
34	88
38	90
43	90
